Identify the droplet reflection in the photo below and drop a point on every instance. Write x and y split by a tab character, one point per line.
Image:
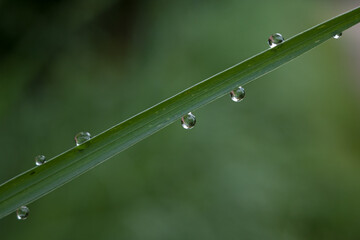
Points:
188	121
238	94
40	160
82	137
275	40
22	213
337	36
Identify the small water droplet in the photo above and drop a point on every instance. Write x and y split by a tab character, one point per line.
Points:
337	36
238	94
275	40
22	213
188	121
82	137
40	160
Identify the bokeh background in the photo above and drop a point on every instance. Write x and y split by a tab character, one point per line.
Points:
282	164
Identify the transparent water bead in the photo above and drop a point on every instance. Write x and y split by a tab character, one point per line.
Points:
82	137
337	36
188	121
40	160
275	40
22	213
238	94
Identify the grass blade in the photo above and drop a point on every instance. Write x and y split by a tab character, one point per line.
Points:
41	180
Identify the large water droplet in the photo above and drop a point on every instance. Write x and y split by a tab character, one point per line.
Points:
82	137
22	213
275	40
237	94
40	160
337	36
188	121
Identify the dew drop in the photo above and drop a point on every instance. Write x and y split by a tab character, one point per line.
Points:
275	40
188	121
82	137
22	213
40	160
337	36
238	94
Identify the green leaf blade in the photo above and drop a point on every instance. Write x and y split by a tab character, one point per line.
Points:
38	181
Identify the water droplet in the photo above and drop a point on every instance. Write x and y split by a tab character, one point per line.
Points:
22	213
337	36
82	137
188	121
237	94
275	40
40	160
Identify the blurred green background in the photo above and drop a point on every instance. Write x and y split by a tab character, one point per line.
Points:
282	164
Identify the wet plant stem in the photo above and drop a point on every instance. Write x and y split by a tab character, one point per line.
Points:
40	180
